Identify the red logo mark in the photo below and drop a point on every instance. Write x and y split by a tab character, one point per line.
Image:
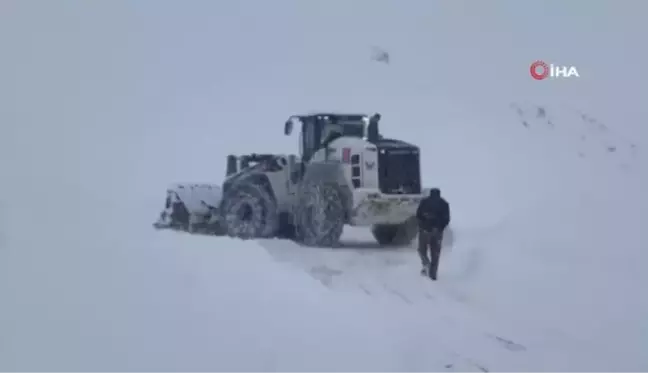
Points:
539	70
346	155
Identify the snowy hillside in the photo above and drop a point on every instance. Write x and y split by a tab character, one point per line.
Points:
106	103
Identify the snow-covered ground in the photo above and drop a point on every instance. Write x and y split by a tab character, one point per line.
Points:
105	103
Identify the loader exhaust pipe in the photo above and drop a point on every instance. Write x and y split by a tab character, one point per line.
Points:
245	161
232	165
373	132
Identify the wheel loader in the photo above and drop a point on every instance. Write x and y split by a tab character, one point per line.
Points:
346	172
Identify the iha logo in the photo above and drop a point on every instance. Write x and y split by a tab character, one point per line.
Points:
541	70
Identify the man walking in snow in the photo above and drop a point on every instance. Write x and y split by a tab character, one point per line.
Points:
433	215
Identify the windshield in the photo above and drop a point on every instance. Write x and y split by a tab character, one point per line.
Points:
345	127
333	131
353	130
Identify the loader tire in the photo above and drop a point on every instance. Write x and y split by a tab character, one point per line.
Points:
396	234
320	215
248	211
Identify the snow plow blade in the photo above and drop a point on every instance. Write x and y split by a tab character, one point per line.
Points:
192	208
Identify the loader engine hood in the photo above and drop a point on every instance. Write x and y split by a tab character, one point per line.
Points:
392	144
399	167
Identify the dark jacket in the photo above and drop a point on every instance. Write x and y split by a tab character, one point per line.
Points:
433	212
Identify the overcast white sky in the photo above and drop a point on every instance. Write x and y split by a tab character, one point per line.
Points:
125	71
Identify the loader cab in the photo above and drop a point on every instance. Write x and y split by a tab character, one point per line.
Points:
318	130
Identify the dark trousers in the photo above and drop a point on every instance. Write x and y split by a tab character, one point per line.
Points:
430	242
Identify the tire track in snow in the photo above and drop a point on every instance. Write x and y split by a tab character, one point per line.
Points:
372	270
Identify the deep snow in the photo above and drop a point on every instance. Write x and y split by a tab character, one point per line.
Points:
105	103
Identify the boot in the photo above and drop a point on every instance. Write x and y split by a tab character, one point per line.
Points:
433	268
425	267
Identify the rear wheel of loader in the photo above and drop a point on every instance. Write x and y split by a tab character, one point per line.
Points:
396	234
320	215
248	211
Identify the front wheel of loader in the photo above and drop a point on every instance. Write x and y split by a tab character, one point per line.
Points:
320	215
248	211
396	234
